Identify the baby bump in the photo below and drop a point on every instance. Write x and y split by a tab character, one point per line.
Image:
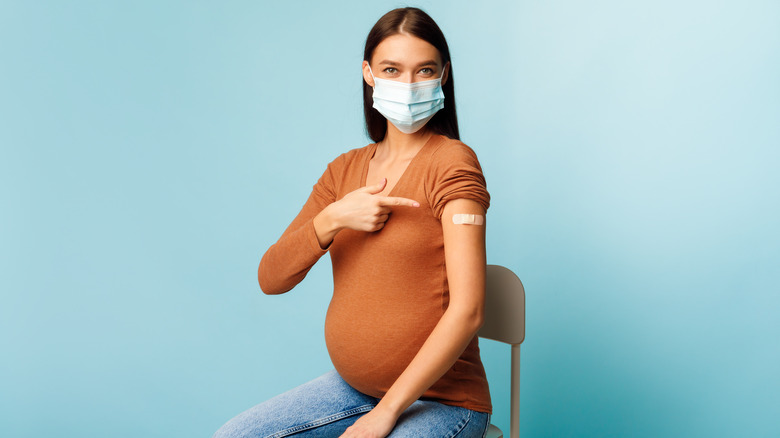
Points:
371	341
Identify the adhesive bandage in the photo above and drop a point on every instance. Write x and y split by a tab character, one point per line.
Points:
468	219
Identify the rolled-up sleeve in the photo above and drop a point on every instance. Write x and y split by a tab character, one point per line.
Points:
456	174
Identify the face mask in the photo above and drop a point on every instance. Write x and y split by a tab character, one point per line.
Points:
408	106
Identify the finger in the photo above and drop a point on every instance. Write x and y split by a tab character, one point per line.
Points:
382	219
392	201
376	188
379	226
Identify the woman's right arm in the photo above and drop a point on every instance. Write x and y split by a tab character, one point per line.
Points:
310	234
288	260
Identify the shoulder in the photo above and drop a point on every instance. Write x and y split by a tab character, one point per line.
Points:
350	157
345	169
448	152
454	173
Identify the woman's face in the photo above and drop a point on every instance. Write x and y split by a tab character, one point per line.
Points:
405	58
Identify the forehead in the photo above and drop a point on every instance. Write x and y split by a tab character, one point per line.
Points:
405	49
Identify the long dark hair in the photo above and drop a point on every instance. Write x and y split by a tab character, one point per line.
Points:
419	24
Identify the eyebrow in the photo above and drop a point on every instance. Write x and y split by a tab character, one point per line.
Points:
394	63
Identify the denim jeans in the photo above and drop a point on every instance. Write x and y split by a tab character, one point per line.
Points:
327	406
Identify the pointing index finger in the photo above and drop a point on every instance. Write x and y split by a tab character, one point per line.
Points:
396	201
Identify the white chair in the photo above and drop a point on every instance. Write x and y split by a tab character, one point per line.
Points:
505	322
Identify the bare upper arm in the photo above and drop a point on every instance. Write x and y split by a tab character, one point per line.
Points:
464	252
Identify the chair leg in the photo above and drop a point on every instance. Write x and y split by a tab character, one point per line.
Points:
514	428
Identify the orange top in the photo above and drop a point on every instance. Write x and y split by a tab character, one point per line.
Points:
390	286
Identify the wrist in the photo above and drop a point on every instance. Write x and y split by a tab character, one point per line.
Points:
329	220
388	408
325	226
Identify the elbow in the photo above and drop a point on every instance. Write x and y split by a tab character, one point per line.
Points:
267	283
477	321
471	318
262	280
268	287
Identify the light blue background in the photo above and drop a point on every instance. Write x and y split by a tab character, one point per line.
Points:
151	151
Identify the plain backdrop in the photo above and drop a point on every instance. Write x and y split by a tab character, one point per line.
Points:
150	151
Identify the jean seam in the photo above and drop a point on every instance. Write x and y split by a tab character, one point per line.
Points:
460	426
487	426
321	421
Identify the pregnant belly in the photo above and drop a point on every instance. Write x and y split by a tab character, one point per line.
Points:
372	343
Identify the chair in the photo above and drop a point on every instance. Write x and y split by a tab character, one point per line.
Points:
505	322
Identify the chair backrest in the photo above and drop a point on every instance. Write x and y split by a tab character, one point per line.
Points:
505	322
504	306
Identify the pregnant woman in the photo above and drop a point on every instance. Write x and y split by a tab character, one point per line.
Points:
404	221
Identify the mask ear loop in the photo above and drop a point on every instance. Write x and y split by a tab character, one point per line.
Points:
372	75
442	70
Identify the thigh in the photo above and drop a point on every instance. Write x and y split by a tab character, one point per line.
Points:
324	407
433	419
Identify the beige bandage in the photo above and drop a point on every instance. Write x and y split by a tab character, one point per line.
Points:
468	219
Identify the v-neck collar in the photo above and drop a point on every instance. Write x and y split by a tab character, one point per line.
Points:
372	151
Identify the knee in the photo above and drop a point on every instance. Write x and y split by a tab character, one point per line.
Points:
229	430
246	426
222	433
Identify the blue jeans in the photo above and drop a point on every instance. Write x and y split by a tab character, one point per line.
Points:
327	406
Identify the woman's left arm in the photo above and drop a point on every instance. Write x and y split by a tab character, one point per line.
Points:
464	252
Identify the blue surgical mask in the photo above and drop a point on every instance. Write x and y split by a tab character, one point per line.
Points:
406	105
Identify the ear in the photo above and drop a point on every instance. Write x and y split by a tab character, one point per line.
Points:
367	75
446	73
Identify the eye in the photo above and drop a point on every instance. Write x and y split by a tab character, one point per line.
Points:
390	70
426	71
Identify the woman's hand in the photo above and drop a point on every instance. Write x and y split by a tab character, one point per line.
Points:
364	210
361	210
377	423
